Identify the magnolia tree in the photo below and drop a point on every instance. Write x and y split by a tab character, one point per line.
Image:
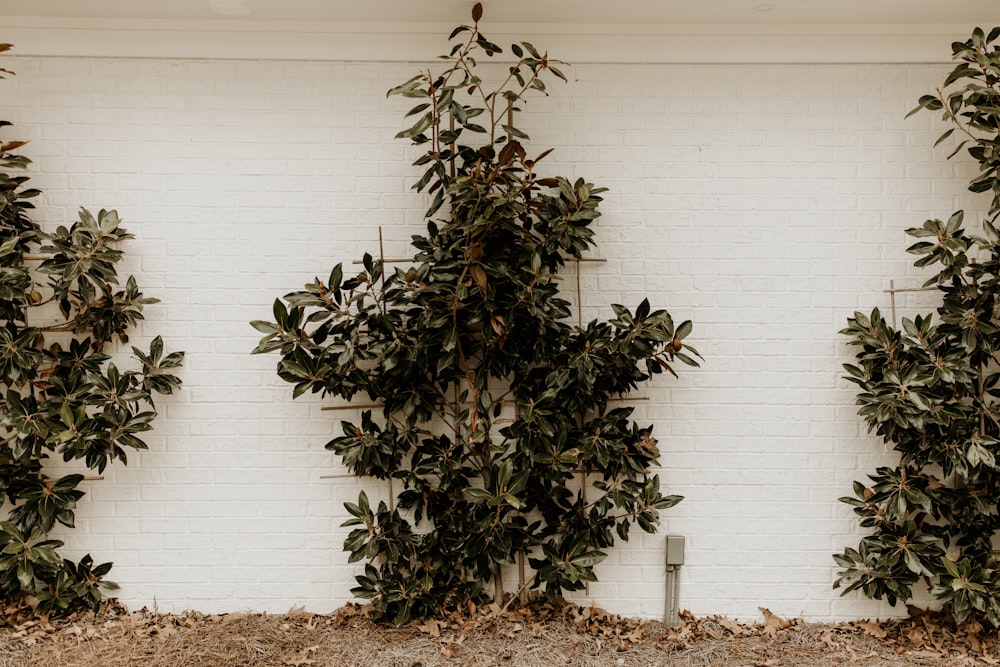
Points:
62	308
930	389
493	405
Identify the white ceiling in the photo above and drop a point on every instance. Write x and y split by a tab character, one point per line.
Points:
980	12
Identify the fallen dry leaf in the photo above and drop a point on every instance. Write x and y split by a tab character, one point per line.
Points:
431	627
916	636
773	623
873	629
302	657
729	624
924	654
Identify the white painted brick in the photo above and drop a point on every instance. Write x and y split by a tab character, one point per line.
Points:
766	203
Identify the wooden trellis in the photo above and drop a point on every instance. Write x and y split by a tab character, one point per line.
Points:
582	474
892	291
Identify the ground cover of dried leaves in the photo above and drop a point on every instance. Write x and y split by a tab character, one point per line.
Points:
540	634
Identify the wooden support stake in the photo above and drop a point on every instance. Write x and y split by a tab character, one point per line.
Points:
579	321
929	288
579	296
381	253
892	291
522	590
451	161
892	301
360	406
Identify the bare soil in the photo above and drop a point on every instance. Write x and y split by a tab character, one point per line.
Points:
541	634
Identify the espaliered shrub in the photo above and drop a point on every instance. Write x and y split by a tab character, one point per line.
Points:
494	406
930	389
62	307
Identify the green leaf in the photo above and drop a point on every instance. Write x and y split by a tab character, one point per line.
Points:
264	327
478	494
336	277
944	136
409	86
280	314
683	330
26	574
589	559
514	132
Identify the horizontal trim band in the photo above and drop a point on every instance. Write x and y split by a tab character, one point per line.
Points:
393	42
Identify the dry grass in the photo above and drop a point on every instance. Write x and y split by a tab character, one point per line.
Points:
540	635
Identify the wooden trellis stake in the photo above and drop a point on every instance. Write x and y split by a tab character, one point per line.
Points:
522	593
892	296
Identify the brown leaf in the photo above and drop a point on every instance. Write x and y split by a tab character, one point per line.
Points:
301	657
636	635
508	152
164	631
648	443
478	275
431	627
477	12
925	654
873	629
972	637
730	625
773	623
541	156
916	636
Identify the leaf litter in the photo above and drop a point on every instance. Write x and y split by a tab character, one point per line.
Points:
537	634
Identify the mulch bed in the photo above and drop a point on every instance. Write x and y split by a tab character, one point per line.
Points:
538	634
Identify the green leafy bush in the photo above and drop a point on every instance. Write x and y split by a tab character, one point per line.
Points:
61	308
930	389
493	404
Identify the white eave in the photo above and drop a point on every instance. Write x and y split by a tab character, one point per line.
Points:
579	43
621	31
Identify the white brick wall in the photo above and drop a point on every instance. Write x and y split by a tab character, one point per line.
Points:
765	202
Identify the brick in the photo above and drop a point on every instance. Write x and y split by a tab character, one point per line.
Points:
765	203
